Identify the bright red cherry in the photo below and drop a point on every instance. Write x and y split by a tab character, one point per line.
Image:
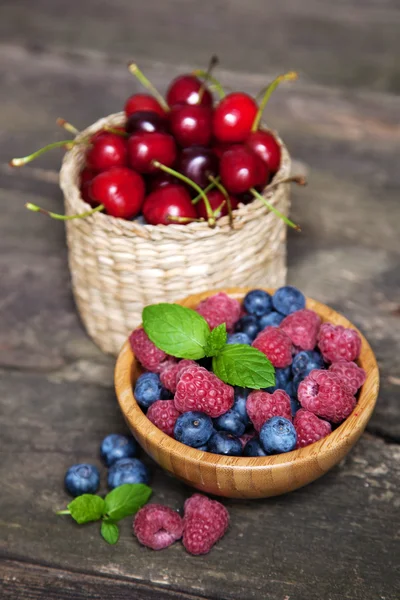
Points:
144	148
169	201
107	150
219	149
216	198
185	90
146	120
85	180
262	176
198	164
239	170
161	179
120	190
191	125
266	146
143	102
234	117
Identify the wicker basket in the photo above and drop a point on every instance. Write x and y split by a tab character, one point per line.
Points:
118	266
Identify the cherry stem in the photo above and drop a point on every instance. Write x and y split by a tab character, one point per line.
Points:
185	219
210	187
124	134
299	179
220	207
272	86
223	191
35	208
134	69
215	83
20	162
67	126
274	210
213	63
210	215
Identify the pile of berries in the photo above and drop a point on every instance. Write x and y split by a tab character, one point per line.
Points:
317	379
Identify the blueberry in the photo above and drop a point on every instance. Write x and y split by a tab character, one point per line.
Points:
278	435
282	377
288	299
273	319
82	479
294	405
239	338
223	442
230	422
239	404
166	394
258	303
253	448
147	389
116	446
204	448
297	379
193	428
248	325
291	389
305	361
127	470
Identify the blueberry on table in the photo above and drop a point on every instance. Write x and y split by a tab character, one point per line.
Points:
116	446
230	422
225	443
278	435
248	325
257	303
127	470
288	299
273	319
239	338
82	479
193	428
148	389
253	448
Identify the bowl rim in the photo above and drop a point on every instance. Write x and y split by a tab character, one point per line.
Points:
343	435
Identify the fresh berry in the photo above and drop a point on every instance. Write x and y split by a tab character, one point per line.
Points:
82	479
167	205
143	102
266	146
120	189
302	327
324	394
116	446
278	435
294	405
246	437
146	121
185	90
217	200
144	148
273	319
218	309
239	338
261	406
239	170
249	325
230	422
338	343
205	522
127	470
350	373
166	394
171	375
161	179
193	428
107	150
257	303
191	125
198	164
288	299
157	526
200	390
282	377
306	361
87	175
145	351
239	404
276	345
309	428
225	443
234	117
163	415
147	389
253	448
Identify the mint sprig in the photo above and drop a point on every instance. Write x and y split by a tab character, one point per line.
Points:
216	340
242	365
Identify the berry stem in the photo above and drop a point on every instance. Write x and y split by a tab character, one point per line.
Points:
116	131
213	63
272	86
210	187
274	210
223	191
184	219
20	162
63	512
134	69
35	208
220	207
213	80
67	126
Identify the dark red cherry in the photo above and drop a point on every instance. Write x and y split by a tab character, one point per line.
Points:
191	125
85	180
121	190
140	102
143	148
146	120
161	179
239	170
185	90
107	150
216	198
262	174
266	146
169	201
219	149
234	117
198	164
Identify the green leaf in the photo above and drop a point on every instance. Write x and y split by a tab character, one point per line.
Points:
87	507
177	330
110	532
126	500
216	340
242	365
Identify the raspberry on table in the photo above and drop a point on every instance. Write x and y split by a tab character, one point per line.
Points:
276	345
157	526
338	343
218	309
171	375
288	299
302	327
262	406
309	428
205	522
324	394
150	357
350	373
163	415
200	390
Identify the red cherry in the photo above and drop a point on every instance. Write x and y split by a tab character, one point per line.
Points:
120	189
185	90
169	201
107	150
145	147
143	102
146	120
159	180
191	125
266	146
85	180
262	174
216	198
219	149
239	169
234	117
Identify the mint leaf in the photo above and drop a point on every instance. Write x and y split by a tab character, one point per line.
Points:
216	340
87	507
126	500
177	330
242	365
110	532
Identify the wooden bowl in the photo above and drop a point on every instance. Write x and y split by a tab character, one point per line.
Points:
242	477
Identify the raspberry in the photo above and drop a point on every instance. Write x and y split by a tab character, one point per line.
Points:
157	526
338	343
276	345
200	390
349	373
302	327
205	522
324	394
262	406
199	506
246	437
218	309
164	415
171	375
145	351
309	428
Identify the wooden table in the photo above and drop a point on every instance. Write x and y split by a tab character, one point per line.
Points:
335	539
